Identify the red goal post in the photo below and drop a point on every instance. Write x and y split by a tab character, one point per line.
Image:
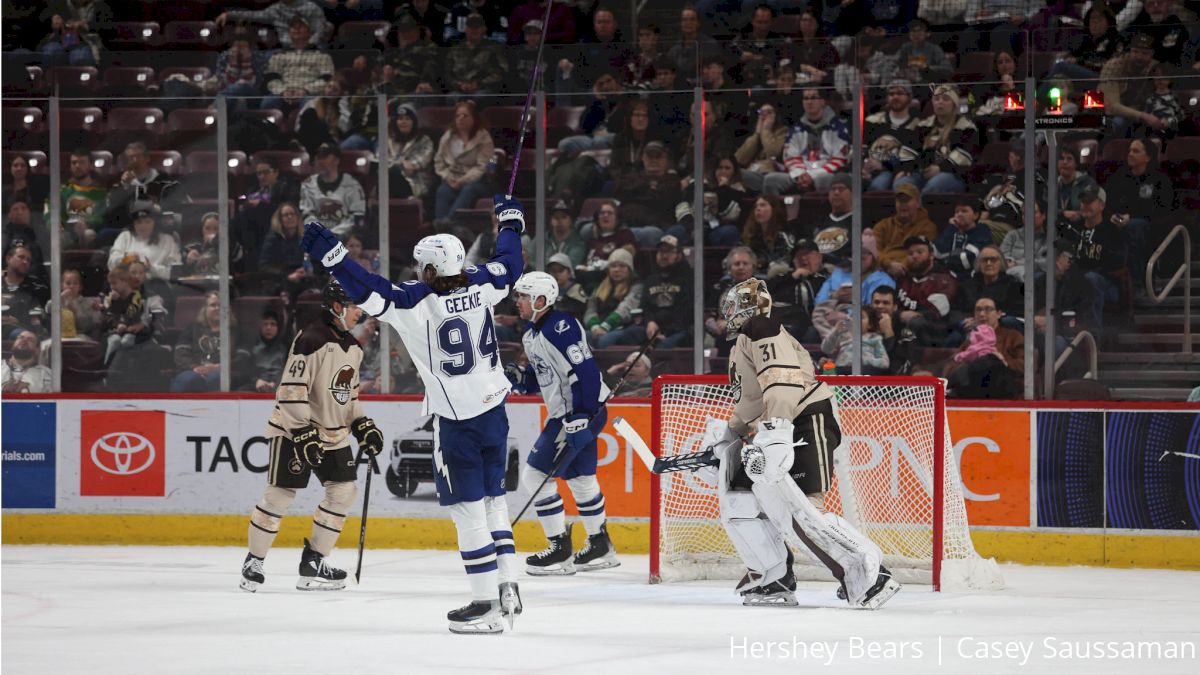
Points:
895	440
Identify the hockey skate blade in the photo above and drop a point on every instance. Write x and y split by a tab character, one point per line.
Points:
604	563
560	570
491	624
313	584
774	600
876	601
249	586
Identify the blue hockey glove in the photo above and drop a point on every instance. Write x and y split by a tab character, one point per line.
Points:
578	437
322	244
510	213
516	375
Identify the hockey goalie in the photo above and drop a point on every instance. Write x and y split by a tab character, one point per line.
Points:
776	461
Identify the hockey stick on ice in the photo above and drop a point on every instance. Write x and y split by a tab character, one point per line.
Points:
647	346
687	462
533	80
362	529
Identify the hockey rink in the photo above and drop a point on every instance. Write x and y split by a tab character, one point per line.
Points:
132	610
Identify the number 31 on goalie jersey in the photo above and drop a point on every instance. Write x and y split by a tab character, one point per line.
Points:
454	339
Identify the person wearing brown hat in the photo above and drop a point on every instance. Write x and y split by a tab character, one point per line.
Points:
910	219
474	67
616	303
949	145
1170	35
562	237
411	66
299	72
1125	82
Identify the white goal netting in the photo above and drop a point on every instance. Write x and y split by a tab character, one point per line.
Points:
884	483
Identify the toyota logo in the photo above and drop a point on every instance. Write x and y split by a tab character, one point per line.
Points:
115	453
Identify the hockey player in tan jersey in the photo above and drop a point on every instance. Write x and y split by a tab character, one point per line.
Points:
316	411
772	487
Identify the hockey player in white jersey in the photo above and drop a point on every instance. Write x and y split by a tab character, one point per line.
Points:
562	368
445	319
771	489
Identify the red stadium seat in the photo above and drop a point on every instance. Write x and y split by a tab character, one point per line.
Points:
75	80
194	74
295	161
976	66
169	162
149	120
205	161
186	309
361	34
272	115
129	77
189	126
435	119
192	35
37	160
102	162
90	120
23	127
135	35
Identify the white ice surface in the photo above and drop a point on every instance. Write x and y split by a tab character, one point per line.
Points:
132	610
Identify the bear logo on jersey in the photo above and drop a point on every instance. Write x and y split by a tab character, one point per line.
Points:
343	381
295	466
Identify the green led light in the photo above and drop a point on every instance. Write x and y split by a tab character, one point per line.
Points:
1055	93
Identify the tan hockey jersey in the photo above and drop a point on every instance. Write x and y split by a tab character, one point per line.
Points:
772	375
319	386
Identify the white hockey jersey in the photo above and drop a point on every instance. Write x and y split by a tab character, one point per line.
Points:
451	338
562	366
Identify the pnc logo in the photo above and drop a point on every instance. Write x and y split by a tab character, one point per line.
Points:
123	453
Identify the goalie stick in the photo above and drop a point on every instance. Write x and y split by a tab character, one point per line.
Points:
686	462
647	346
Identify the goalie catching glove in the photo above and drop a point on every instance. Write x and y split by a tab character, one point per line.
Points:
322	244
307	445
509	213
368	435
770	456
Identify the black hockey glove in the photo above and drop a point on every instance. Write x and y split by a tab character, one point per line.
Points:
367	434
307	445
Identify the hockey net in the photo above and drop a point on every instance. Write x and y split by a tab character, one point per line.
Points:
895	440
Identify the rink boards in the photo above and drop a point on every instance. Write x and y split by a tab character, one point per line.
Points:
1100	484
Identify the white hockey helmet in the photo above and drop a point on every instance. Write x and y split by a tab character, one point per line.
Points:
444	251
745	300
537	285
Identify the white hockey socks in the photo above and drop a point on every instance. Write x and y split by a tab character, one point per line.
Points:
477	547
502	537
546	501
264	521
331	515
590	502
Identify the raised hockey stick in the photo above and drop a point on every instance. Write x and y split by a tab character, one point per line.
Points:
533	80
688	462
362	529
647	346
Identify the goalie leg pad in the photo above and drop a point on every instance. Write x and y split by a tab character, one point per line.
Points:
477	547
502	537
590	502
331	515
264	522
756	539
851	557
546	501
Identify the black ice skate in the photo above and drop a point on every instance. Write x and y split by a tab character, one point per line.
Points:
598	553
883	590
555	560
510	602
778	593
479	617
318	575
252	573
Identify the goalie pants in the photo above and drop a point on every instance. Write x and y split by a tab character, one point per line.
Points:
812	468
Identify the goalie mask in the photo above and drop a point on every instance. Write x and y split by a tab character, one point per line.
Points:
537	285
443	251
743	301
